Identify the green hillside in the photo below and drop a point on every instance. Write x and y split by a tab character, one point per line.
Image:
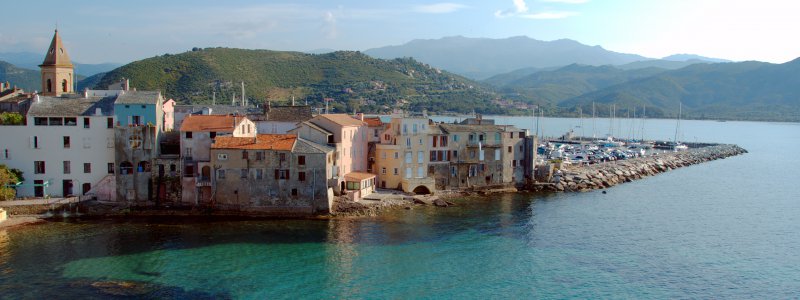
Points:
23	78
554	86
741	91
352	79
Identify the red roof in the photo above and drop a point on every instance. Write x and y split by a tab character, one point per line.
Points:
282	142
216	123
373	122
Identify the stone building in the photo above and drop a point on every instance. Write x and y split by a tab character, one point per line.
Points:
197	133
280	119
277	173
135	147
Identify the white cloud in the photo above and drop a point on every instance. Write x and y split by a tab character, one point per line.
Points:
329	29
566	1
439	8
521	10
550	15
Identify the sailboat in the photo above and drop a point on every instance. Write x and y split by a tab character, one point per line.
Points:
678	146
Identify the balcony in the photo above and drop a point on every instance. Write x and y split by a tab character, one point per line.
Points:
485	143
203	181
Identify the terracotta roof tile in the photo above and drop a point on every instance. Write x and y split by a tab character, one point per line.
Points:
216	123
282	142
373	122
358	176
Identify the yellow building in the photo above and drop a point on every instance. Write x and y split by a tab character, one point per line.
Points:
401	158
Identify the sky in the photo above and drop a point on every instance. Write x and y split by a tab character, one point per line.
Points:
124	31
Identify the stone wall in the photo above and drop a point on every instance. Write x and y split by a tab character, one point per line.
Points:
598	176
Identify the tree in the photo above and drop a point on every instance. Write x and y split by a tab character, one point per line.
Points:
10	118
8	176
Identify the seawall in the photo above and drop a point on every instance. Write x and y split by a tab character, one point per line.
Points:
604	175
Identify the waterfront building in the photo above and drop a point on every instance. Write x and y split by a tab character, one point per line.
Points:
197	133
168	108
278	173
181	111
14	99
137	108
66	146
401	158
347	135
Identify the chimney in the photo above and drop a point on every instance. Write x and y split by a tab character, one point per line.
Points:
86	93
98	111
38	99
360	116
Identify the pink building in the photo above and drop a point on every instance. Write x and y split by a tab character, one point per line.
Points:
350	137
169	115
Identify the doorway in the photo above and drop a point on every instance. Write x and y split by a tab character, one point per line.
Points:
38	188
66	188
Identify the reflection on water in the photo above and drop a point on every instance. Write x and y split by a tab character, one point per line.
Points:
723	229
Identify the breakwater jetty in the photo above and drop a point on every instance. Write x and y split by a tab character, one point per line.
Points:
603	175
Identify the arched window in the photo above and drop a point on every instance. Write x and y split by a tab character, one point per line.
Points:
49	86
144	166
64	86
125	168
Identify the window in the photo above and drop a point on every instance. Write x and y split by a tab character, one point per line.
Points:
395	171
173	168
143	166
294	192
430	170
67	167
66	142
5	154
408	142
511	135
188	171
135	141
301	176
221	174
421	142
86	122
509	149
414	128
496	154
87	168
49	85
453	171
514	163
455	154
443	141
212	134
353	185
375	134
481	155
282	156
301	160
396	155
497	136
383	154
127	106
245	154
408	172
144	106
259	174
64	86
188	152
125	168
420	157
455	138
110	123
521	134
188	134
244	173
56	121
110	167
39	121
420	172
259	155
136	120
383	170
405	129
281	174
38	167
408	157
70	121
222	156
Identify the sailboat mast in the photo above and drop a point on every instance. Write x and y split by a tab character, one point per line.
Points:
594	123
678	124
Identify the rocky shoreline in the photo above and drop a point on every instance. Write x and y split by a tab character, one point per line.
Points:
600	176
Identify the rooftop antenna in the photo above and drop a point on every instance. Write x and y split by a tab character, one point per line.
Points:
233	99
594	123
213	97
292	100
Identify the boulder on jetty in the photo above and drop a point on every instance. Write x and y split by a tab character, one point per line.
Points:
604	175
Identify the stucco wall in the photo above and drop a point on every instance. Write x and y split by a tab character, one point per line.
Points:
92	145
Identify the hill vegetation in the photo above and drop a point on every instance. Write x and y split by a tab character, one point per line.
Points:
28	80
352	79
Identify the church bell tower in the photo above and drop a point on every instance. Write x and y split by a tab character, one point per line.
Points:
57	70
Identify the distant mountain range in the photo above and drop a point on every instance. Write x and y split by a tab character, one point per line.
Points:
28	80
30	60
741	91
355	81
481	58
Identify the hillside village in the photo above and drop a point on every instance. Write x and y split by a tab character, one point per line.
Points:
137	148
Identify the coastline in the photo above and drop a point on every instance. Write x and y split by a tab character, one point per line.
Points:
566	179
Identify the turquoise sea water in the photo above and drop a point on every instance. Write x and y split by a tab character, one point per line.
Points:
724	229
